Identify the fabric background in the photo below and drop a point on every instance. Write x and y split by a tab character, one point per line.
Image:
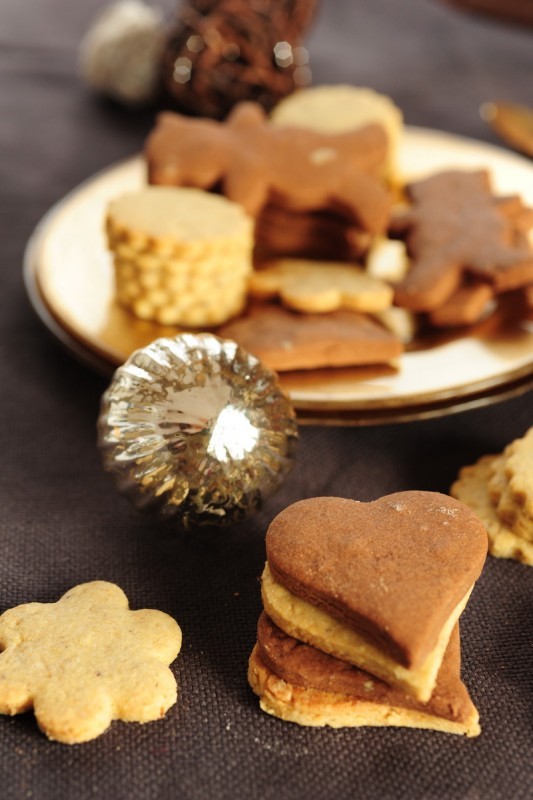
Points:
61	522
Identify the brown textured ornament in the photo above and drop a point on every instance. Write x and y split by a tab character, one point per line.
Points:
197	430
220	53
291	17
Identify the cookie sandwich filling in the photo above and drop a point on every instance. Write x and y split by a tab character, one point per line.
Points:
313	625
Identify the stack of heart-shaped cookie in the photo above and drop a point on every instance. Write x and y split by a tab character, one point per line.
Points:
361	608
500	490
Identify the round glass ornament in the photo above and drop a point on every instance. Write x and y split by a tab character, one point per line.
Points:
197	430
121	52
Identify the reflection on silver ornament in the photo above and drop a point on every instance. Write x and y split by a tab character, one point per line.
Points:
196	429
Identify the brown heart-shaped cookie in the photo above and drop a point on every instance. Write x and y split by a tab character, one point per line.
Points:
397	571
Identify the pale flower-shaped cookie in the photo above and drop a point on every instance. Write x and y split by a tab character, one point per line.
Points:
320	286
87	660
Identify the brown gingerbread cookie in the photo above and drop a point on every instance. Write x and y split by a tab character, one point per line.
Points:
528	296
513	208
316	234
466	306
378	584
253	161
457	226
286	340
297	682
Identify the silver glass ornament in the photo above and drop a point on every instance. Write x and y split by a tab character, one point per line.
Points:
197	430
121	52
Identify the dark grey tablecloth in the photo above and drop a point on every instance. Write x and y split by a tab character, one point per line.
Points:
61	522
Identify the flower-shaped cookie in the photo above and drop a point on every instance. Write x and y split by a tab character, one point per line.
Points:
320	286
87	660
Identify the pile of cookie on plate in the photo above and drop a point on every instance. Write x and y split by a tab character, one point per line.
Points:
361	603
295	234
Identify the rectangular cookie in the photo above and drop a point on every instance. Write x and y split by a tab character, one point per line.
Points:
286	340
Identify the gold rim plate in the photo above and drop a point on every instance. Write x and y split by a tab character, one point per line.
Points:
69	279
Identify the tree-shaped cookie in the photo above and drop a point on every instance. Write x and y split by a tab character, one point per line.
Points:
87	660
456	226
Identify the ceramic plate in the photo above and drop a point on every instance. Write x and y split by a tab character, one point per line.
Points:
70	283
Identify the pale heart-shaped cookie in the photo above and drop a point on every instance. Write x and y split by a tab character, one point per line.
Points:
87	660
379	584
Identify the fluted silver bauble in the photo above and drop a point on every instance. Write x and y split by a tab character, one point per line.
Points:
197	430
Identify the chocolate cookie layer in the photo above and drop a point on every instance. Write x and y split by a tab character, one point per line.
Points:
300	664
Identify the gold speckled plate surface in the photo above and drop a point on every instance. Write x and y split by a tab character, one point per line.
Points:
69	280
